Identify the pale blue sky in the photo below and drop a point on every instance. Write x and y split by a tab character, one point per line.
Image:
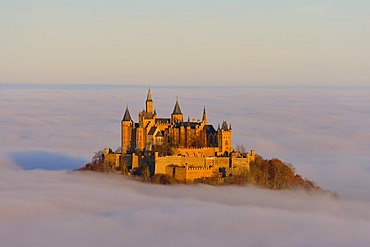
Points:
267	43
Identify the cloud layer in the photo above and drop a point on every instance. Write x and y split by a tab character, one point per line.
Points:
40	208
323	132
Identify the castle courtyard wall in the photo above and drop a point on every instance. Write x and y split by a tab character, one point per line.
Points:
240	163
198	172
196	152
187	174
221	162
162	162
111	159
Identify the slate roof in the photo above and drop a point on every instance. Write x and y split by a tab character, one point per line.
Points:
210	129
149	96
127	116
152	130
176	109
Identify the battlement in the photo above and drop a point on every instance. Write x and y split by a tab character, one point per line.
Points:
197	168
197	152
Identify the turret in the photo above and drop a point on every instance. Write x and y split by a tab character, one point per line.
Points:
126	131
204	118
127	116
176	115
149	102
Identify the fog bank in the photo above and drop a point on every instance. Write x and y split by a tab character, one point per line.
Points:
46	131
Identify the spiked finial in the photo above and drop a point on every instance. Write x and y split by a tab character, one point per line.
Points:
204	115
149	96
224	126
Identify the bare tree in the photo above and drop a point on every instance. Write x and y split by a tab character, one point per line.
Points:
241	149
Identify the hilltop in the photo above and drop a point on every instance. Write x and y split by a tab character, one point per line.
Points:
173	150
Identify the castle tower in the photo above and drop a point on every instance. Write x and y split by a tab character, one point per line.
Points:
149	102
176	115
203	134
187	134
224	135
140	138
126	131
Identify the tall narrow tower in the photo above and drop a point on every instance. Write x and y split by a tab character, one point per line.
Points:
126	131
224	135
149	102
204	118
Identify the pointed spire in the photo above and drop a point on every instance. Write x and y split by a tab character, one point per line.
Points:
127	116
230	127
204	115
176	109
149	96
224	125
155	111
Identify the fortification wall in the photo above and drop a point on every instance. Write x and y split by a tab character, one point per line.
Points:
221	162
252	156
188	173
162	162
126	160
240	163
111	159
180	173
196	152
215	162
169	170
198	172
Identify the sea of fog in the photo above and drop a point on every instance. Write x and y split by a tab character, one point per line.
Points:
47	130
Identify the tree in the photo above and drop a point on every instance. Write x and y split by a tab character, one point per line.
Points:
241	149
162	179
164	149
98	157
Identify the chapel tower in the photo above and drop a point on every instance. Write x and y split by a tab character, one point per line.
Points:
149	102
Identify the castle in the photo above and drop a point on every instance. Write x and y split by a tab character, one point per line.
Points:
185	150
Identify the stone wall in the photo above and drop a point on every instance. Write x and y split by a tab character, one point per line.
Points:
187	174
198	172
189	168
162	162
196	152
111	159
221	162
240	163
182	168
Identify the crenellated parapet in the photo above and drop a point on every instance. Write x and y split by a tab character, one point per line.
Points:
196	152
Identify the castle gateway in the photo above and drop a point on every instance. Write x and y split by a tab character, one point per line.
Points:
185	150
